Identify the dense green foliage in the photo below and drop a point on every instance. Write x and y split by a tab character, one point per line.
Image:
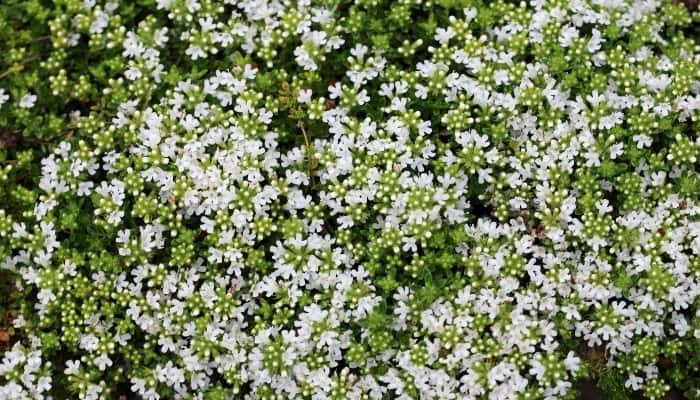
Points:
349	199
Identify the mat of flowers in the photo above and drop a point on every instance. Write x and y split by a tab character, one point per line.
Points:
369	199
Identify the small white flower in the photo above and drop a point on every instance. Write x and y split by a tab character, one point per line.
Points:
3	97
642	141
72	367
444	35
616	150
102	362
304	96
634	382
572	362
27	100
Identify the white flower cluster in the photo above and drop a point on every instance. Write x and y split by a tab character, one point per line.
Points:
454	219
29	376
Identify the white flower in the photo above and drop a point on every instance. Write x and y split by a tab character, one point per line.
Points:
335	90
616	150
195	52
642	141
359	51
72	367
27	100
634	382
304	96
444	35
572	362
43	384
603	206
304	59
537	369
3	97
470	13
595	43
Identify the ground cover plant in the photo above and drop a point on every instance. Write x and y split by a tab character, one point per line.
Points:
369	199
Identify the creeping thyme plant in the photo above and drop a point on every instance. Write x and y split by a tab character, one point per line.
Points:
368	199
